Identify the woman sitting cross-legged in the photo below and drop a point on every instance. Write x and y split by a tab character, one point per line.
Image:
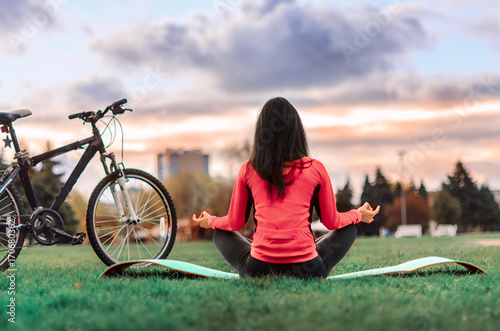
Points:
283	184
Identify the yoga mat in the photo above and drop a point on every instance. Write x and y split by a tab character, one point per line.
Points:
193	269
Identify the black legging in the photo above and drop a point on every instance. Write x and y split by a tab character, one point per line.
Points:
331	248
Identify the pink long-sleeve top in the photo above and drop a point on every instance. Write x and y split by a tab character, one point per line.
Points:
283	233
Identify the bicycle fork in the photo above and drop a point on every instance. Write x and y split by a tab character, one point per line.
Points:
132	218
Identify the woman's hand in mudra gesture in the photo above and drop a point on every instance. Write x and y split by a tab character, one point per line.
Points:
367	212
202	220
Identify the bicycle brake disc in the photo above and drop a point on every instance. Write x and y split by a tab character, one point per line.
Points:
41	223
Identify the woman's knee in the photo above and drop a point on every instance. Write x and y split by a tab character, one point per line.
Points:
349	234
221	235
233	239
350	230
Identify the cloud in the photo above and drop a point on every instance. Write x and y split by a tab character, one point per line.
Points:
450	127
477	18
13	12
22	20
378	92
341	57
414	91
486	28
51	105
96	92
268	45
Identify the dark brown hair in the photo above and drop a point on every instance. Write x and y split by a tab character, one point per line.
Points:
279	138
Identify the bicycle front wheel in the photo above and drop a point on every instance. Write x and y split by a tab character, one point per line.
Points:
114	233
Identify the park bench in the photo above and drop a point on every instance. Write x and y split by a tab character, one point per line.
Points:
447	230
411	230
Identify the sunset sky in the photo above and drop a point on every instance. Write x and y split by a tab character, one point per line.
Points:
368	79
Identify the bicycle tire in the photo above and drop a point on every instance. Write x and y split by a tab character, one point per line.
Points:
151	201
11	205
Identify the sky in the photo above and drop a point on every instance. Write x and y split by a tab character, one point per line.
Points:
369	79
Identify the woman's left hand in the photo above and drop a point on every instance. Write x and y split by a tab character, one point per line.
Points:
202	220
367	212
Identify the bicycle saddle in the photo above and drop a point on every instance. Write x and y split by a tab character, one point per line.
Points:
7	117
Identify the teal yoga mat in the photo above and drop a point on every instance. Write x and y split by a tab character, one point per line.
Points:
197	270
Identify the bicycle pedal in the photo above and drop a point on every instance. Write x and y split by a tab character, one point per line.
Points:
78	238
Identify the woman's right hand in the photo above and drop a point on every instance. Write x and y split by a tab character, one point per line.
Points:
202	220
367	213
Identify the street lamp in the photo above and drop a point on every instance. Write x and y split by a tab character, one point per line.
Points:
403	192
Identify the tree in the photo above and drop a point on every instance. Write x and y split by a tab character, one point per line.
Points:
382	189
490	210
413	187
422	191
397	190
446	209
79	206
417	210
3	165
343	198
378	193
368	194
461	186
236	155
193	193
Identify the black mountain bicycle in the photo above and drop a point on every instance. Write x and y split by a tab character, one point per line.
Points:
130	214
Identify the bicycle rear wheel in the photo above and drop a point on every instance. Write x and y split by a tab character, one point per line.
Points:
11	235
116	238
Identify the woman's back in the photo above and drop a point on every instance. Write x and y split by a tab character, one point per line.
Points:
283	234
292	210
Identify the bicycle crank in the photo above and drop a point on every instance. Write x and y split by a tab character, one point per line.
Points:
47	227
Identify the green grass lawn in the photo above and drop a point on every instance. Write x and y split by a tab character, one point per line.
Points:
58	288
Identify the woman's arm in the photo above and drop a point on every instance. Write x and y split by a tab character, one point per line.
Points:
330	217
235	219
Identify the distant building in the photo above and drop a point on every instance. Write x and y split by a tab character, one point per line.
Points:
175	161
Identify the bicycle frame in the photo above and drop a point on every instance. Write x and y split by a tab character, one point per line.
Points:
25	162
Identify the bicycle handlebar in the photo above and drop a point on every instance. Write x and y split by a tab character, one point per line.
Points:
118	103
87	116
90	116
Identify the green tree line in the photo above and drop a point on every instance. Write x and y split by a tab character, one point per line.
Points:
459	201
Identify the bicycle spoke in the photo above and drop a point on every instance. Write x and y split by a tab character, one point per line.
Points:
153	212
150	222
10	209
138	248
146	204
107	228
149	235
122	243
9	205
128	251
147	250
116	236
137	200
107	221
